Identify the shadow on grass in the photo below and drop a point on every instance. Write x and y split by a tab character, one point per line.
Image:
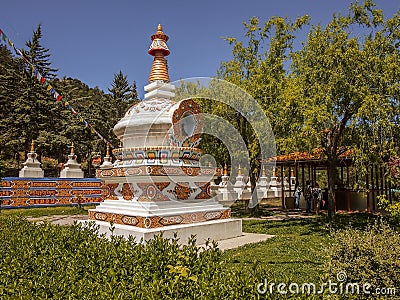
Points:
316	225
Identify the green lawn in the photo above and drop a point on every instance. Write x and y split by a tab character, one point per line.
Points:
296	253
46	211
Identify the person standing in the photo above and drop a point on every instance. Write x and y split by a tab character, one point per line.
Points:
317	197
307	196
297	193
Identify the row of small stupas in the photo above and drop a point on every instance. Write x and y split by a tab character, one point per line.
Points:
32	169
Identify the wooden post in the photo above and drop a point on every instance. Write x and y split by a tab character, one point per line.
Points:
367	190
282	188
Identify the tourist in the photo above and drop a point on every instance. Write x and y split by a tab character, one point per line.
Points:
307	196
317	197
297	193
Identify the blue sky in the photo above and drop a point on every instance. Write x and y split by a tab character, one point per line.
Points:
92	40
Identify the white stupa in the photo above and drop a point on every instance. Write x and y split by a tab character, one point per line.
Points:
156	183
32	167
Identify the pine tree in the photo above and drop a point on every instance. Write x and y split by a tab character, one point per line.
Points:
120	87
134	94
123	95
39	56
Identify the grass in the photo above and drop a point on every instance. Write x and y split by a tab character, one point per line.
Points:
46	211
296	253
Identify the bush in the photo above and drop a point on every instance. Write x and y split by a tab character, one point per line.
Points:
41	261
366	256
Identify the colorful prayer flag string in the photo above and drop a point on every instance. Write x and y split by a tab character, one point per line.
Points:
42	80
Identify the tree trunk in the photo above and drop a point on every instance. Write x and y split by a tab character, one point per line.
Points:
332	176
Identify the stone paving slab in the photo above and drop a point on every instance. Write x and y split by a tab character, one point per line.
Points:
246	238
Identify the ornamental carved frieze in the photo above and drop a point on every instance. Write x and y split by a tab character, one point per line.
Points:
157	221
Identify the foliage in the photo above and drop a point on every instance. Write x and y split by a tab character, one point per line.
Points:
393	206
32	112
366	256
123	95
47	261
341	91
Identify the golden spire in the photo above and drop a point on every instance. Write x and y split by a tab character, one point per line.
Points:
239	171
72	149
108	150
274	172
33	146
159	49
263	174
292	173
225	170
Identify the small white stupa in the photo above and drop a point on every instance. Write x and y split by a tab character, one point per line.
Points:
226	193
72	169
262	185
107	160
31	167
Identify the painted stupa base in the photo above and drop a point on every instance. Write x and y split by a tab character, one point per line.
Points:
142	220
216	230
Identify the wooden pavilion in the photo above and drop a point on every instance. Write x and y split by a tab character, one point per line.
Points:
352	192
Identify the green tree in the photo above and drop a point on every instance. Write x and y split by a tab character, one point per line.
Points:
259	68
39	55
123	95
345	89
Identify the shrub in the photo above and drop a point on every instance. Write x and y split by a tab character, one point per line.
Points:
41	261
366	256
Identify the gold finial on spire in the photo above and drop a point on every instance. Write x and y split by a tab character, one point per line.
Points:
33	146
292	173
108	150
225	170
239	171
159	49
274	172
72	149
263	174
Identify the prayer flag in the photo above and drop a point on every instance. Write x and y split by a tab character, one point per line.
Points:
10	43
52	91
56	95
73	111
59	97
66	103
49	87
45	83
4	37
42	80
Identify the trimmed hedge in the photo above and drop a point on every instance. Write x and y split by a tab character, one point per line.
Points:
41	261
